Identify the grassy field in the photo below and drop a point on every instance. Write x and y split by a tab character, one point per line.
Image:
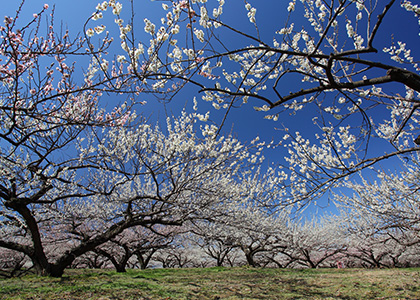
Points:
218	283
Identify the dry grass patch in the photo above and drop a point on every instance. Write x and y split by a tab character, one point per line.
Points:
219	283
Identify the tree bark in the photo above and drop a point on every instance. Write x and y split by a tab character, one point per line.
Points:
36	253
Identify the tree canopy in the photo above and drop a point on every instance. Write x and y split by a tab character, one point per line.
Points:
80	167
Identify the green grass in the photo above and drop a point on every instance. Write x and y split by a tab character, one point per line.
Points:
218	283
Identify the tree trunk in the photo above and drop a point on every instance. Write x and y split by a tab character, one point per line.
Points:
249	255
36	253
144	258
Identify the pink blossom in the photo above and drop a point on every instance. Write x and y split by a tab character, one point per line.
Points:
183	4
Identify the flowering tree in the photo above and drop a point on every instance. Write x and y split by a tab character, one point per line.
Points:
138	242
333	61
183	252
12	263
388	206
250	229
42	111
214	242
75	173
382	217
90	260
313	243
150	242
368	245
131	177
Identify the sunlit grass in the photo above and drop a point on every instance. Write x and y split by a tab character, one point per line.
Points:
219	283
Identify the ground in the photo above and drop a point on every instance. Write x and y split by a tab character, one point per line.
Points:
218	283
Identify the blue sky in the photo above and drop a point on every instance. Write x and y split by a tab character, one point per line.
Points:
271	15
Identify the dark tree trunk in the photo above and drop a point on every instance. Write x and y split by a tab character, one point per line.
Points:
144	258
36	253
249	255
